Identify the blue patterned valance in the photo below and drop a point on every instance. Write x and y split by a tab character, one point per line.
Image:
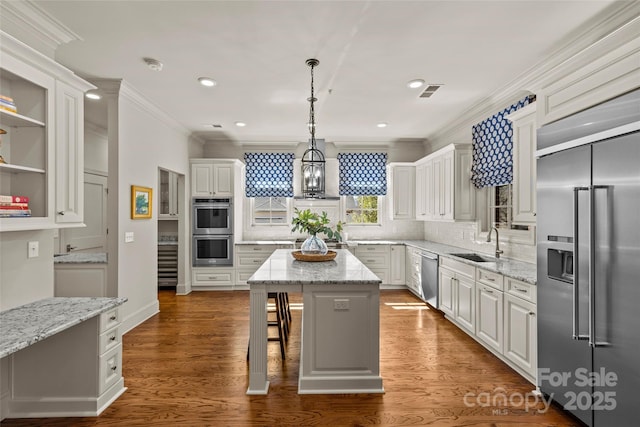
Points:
363	174
269	174
492	148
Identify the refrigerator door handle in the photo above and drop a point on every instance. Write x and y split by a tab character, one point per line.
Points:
592	267
576	274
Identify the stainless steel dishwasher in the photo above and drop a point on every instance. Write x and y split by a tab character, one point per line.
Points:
429	278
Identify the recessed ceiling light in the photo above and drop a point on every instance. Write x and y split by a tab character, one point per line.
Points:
414	84
92	95
207	81
382	125
153	64
241	124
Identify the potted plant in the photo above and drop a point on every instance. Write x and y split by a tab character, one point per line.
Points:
313	224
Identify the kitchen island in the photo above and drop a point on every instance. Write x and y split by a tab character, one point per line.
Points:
340	343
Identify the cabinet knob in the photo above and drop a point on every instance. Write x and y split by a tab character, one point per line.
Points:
113	338
113	318
114	368
61	213
531	313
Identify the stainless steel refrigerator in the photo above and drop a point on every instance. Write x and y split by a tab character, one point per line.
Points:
588	262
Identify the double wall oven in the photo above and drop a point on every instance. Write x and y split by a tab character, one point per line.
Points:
212	233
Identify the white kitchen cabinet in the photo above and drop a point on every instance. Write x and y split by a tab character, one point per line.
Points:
248	258
443	186
69	166
377	259
413	262
457	292
402	184
168	195
397	267
213	177
43	147
520	333
420	196
489	315
524	164
212	278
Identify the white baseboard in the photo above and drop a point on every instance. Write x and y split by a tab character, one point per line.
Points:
140	316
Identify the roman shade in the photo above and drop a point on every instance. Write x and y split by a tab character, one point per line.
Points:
269	174
492	148
363	174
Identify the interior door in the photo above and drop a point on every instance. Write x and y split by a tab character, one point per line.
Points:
93	237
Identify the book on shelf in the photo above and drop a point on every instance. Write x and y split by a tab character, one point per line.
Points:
7	108
14	199
15	213
5	205
4	208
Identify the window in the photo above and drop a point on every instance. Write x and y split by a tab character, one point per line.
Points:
270	210
499	214
362	209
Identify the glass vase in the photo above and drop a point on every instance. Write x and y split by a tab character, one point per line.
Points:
314	246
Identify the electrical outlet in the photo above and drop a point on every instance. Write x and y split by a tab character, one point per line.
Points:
341	304
128	237
34	250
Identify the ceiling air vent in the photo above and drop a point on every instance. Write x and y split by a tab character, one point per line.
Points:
430	90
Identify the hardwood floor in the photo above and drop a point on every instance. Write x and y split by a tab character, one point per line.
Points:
187	366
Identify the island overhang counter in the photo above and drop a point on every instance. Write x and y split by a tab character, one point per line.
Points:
340	342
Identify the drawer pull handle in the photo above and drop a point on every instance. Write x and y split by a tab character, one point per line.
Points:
212	277
524	291
256	261
488	291
371	249
257	249
371	260
491	279
114	368
113	318
113	338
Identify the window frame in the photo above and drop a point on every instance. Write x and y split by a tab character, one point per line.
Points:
380	209
524	237
252	212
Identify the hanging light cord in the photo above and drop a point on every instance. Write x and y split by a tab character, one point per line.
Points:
312	122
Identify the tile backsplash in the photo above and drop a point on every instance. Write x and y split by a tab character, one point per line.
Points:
465	235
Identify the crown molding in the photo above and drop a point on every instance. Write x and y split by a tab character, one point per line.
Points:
614	26
26	20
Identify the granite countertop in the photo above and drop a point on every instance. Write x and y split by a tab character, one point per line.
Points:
81	258
282	269
23	326
515	269
265	242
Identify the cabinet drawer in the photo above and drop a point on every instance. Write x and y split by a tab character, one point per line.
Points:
490	278
243	275
109	319
372	249
110	339
522	290
374	260
213	277
266	250
251	260
382	273
110	366
458	267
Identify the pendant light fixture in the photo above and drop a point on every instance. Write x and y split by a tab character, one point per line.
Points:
313	159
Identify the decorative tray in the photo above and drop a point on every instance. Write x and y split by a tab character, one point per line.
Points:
314	257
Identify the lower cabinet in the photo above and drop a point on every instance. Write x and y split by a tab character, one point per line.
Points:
377	258
212	278
413	270
498	311
397	265
248	258
457	292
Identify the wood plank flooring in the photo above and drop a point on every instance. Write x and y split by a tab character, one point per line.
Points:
187	366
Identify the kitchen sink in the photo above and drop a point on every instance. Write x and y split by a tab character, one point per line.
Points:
475	257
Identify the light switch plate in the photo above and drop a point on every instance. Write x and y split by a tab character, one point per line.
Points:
33	250
128	236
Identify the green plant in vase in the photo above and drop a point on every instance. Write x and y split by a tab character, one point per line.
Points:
313	224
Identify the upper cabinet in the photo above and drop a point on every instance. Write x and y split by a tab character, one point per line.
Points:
168	200
443	185
524	164
43	145
212	178
402	180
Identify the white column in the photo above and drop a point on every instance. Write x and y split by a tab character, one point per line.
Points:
258	383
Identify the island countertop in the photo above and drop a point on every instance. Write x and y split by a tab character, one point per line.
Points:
282	269
23	326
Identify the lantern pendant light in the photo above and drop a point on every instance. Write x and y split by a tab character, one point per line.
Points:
313	163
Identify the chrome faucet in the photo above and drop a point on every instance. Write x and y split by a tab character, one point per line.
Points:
498	251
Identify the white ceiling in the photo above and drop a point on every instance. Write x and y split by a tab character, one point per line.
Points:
368	51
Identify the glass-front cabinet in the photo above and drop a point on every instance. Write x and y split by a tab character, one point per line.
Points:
168	200
42	136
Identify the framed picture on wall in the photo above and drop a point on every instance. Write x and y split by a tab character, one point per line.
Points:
141	202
